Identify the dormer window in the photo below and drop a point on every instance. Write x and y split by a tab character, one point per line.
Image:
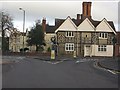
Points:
69	34
103	35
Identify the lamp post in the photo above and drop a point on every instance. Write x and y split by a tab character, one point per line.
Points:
23	25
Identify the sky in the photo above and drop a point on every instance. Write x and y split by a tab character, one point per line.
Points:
57	9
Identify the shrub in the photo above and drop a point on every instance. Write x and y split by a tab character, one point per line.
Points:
49	49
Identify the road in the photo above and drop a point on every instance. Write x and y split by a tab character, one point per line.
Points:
34	73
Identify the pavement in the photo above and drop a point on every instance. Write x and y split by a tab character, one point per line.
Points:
109	64
2	62
9	59
48	58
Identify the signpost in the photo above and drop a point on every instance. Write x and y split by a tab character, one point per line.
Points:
74	54
53	40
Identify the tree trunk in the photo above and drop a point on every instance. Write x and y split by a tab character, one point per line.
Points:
37	47
3	39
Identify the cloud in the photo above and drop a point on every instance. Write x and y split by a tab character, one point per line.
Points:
60	9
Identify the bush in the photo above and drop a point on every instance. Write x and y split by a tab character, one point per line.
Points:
40	49
25	49
49	49
21	50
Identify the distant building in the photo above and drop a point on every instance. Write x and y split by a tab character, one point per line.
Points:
16	41
117	46
49	32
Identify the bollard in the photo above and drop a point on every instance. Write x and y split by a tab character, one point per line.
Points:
74	54
52	54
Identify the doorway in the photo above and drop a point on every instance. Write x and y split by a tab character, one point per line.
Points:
87	50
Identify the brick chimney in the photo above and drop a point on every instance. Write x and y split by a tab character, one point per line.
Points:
44	24
78	16
86	7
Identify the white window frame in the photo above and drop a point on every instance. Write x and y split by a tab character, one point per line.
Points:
103	35
69	47
102	48
69	34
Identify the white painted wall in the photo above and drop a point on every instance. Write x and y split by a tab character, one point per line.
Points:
108	53
67	25
86	25
104	27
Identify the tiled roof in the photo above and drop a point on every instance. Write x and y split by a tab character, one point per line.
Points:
95	23
50	29
77	22
112	25
58	22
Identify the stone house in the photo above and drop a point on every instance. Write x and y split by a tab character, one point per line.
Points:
85	36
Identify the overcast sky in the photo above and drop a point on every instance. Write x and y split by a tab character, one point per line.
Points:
57	9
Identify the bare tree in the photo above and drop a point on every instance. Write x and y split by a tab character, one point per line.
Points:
6	24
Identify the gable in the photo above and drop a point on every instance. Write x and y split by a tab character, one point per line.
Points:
86	25
104	26
67	25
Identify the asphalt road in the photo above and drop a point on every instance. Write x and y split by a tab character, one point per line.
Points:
33	73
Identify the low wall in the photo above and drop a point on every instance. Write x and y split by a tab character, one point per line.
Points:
117	53
26	54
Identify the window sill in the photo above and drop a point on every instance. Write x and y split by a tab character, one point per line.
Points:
68	51
102	51
102	38
69	36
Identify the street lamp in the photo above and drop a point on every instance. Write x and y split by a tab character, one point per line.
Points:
23	25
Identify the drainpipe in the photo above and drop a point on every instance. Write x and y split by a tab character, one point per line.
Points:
77	42
95	41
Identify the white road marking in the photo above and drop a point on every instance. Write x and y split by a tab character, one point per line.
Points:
53	62
85	60
111	71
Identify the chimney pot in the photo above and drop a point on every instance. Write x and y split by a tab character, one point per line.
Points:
78	16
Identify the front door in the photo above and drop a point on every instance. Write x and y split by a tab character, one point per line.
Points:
87	51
